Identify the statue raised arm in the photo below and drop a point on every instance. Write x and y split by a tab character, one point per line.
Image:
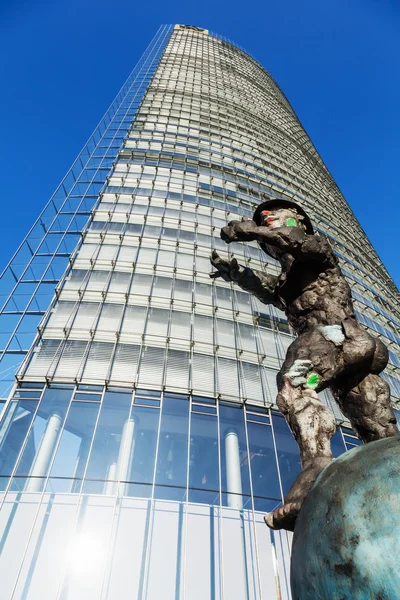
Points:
331	349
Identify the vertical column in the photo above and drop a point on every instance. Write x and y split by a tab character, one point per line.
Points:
233	477
120	470
44	453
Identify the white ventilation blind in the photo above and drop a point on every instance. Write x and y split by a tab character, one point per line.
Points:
125	364
268	341
98	361
271	391
75	279
228	382
107	253
203	265
183	290
147	256
71	360
43	357
226	333
141	285
60	315
224	297
127	254
85	316
203	329
166	259
180	325
162	287
110	317
157	322
203	377
243	302
177	370
248	337
151	367
134	320
203	294
87	251
185	261
252	382
98	280
119	282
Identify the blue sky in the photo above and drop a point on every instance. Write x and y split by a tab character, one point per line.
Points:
337	61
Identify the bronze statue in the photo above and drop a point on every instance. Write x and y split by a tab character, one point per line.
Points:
331	349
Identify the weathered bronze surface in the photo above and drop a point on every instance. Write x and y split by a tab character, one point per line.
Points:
331	349
346	540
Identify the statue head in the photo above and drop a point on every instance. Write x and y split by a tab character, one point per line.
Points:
281	213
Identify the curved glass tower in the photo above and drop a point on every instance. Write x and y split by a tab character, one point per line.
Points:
140	445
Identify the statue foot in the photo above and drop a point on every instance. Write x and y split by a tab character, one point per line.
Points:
284	517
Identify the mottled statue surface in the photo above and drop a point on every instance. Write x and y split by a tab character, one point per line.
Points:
331	350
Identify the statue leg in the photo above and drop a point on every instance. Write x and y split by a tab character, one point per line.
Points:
367	406
362	395
310	363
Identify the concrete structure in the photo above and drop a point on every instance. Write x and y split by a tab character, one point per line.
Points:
140	447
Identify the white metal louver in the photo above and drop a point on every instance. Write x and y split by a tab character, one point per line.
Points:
119	282
87	251
75	279
141	284
203	329
98	360
157	322
98	280
134	320
125	364
226	334
203	377
248	337
252	382
183	290
61	315
224	297
228	381
71	360
44	357
110	317
151	367
85	316
180	325
270	382
177	376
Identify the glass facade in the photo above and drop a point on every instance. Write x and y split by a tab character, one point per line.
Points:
140	445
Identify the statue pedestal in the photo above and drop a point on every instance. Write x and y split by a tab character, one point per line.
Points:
346	542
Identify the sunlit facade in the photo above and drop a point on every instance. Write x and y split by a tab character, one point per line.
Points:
140	445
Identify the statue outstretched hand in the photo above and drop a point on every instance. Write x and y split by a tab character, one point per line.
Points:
229	270
240	231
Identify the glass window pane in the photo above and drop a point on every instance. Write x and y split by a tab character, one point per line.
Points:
173	447
203	463
142	470
288	452
104	455
15	425
234	459
74	446
42	441
264	472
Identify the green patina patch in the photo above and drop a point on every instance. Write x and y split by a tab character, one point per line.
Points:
312	380
291	222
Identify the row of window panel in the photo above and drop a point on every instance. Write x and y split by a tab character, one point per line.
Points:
126	320
150	366
172	447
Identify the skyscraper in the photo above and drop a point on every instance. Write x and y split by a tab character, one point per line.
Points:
140	445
